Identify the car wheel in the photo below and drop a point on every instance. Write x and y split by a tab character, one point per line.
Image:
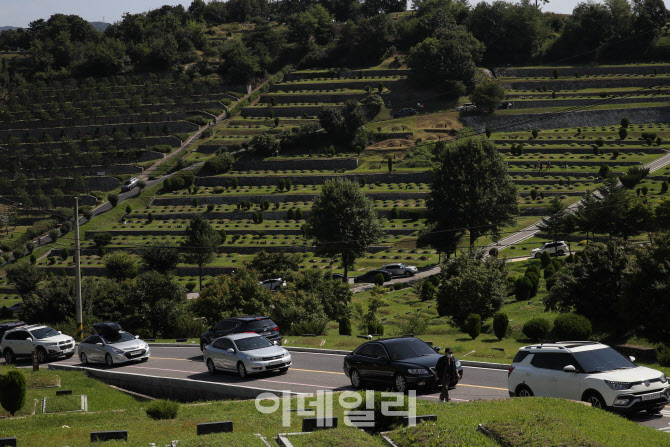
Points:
355	378
596	400
9	356
211	369
202	346
538	255
408	274
83	358
42	356
400	383
241	370
109	361
561	252
523	391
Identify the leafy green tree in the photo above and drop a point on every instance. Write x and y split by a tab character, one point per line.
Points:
275	265
343	221
470	283
592	285
314	23
240	63
12	391
158	299
161	257
200	243
487	94
24	277
662	215
120	266
335	296
220	164
264	143
470	189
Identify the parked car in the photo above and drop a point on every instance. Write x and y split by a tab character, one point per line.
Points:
246	354
372	274
337	276
590	372
401	269
111	345
272	284
48	343
553	248
404	112
252	323
467	107
130	184
4	327
403	362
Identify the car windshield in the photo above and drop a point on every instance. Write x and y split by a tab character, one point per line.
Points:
45	332
600	360
117	337
251	343
261	324
408	349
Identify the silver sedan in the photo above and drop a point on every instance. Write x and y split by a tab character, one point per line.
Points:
113	348
246	354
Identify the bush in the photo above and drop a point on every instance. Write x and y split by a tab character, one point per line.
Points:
210	207
493	252
545	260
12	391
5	313
18	253
664	187
129	209
316	327
162	409
523	288
549	271
375	327
102	239
30	246
190	286
663	355
500	324
195	202
150	217
625	122
473	325
379	279
65	253
571	327
33	259
536	329
395	214
427	291
416	324
113	199
220	164
345	326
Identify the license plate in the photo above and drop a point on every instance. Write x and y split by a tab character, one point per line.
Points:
136	353
278	362
651	396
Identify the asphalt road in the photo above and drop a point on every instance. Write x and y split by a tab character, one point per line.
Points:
315	371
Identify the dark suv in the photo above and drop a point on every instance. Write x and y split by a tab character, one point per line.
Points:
4	327
252	323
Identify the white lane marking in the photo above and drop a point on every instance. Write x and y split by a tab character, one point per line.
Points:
487	369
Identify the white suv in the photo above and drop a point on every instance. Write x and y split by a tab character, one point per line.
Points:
553	248
47	342
589	372
401	269
272	284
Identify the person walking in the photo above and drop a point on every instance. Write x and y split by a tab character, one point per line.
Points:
445	370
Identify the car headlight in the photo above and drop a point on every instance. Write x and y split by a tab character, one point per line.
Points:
417	371
117	351
663	378
286	354
255	359
618	385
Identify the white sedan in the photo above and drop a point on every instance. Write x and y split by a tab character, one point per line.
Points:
245	353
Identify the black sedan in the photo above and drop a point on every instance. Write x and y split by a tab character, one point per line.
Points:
235	325
372	275
403	362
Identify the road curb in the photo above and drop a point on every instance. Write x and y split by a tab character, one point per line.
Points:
472	363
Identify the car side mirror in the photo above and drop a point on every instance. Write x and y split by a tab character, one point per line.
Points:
569	369
60	333
231	350
632	359
137	336
436	348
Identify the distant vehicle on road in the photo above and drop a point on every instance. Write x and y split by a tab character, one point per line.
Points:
404	112
111	345
372	275
553	248
587	371
467	107
130	184
47	342
338	276
272	284
252	323
246	354
8	325
403	362
401	269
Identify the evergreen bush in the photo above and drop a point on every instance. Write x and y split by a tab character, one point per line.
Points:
536	329
500	325
162	409
571	327
473	325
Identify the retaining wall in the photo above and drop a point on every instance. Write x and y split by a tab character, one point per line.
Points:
410	177
576	102
346	73
299	164
76	132
327	97
582	83
584	70
353	84
101	183
275	198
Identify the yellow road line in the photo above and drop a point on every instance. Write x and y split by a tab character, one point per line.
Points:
480	386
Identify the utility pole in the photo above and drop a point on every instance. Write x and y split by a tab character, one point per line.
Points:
77	273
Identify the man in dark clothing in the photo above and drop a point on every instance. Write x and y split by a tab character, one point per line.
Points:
445	370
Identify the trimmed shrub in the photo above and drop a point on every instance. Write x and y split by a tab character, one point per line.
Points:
375	327
571	327
549	271
545	260
33	259
500	325
536	328
195	202
493	252
427	291
18	253
625	122
210	207
162	409
113	199
150	217
345	326
129	209
13	391
523	288
395	214
379	279
473	325
664	187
